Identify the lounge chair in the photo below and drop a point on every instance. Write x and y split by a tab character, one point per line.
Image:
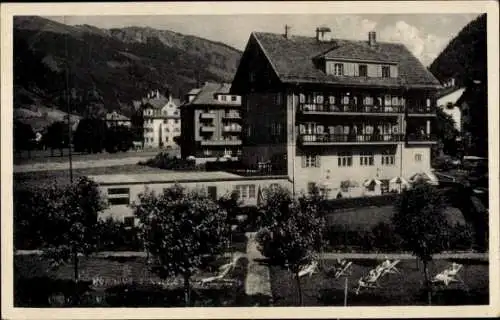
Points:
449	275
309	269
342	269
369	281
224	271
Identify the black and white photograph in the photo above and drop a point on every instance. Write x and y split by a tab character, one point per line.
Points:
305	159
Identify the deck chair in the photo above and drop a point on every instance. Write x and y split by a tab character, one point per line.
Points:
449	275
309	270
390	267
368	282
223	271
342	269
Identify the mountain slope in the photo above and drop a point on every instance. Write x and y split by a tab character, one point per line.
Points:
108	69
465	56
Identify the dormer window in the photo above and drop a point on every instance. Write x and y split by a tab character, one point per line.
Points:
386	72
338	69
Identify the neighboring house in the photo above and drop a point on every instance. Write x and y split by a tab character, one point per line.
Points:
121	190
447	100
346	116
161	120
114	119
211	123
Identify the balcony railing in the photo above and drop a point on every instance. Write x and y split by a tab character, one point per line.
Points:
311	108
207	115
421	138
220	142
325	138
207	128
232	116
421	110
232	129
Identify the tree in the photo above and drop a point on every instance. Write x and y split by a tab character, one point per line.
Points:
420	221
90	135
291	231
62	220
118	138
23	136
180	229
446	132
57	136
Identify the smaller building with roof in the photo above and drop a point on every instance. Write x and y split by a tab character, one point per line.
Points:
211	123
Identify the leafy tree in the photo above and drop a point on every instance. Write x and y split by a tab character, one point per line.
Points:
118	138
57	136
420	221
61	220
446	133
180	229
90	135
23	136
291	231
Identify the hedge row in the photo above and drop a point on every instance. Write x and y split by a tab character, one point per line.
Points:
383	238
349	203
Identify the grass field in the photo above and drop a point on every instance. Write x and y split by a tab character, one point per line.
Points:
44	156
127	281
323	289
368	217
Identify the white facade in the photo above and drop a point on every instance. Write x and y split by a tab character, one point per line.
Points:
448	104
162	125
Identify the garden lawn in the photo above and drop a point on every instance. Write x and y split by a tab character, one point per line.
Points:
126	282
323	289
366	218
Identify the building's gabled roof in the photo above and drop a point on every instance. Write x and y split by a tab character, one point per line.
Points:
293	58
207	94
194	91
115	116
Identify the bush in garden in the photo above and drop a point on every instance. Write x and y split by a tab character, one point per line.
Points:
180	228
292	230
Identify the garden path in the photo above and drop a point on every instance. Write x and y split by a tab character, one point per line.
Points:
258	281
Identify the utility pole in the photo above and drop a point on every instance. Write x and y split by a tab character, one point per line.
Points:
68	103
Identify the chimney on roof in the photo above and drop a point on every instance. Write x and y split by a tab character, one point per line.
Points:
372	38
287	31
323	34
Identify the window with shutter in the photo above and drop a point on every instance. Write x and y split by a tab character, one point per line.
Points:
318	161
332	99
302	98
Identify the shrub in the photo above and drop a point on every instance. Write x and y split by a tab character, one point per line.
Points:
165	161
116	236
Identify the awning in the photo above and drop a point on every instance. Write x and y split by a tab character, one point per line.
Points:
370	181
398	180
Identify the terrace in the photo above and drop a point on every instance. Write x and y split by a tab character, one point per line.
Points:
349	109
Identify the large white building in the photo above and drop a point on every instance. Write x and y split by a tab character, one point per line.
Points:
162	120
447	100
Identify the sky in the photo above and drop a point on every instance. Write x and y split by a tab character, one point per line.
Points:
426	35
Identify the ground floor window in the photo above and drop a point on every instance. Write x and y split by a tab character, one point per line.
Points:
246	191
345	159
366	159
119	196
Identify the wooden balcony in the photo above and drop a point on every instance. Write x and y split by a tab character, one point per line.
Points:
419	138
326	109
345	139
